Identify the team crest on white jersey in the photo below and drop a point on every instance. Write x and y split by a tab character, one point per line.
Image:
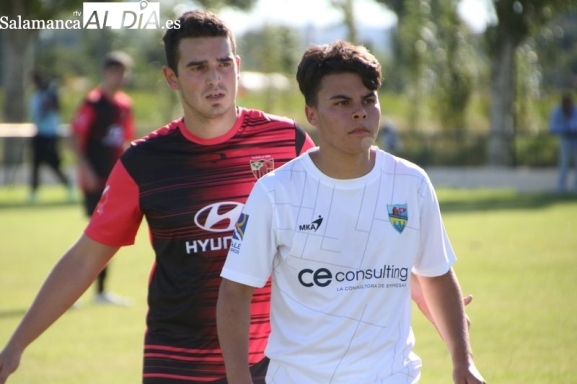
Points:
261	166
398	216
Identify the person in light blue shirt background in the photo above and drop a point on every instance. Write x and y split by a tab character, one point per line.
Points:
563	123
45	114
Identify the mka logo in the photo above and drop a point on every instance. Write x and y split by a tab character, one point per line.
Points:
312	226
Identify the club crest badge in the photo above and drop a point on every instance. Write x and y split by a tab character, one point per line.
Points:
398	216
261	167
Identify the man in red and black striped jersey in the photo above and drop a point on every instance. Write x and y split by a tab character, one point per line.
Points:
102	129
190	180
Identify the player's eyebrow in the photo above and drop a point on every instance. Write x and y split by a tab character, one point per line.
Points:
369	95
347	97
193	63
340	97
226	58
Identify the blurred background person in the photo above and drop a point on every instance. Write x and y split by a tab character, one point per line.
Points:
102	129
388	138
44	108
564	124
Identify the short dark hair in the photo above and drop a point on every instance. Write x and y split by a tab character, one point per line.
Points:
193	24
319	61
567	103
117	59
38	75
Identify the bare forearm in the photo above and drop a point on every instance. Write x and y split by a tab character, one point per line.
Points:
419	299
233	322
444	299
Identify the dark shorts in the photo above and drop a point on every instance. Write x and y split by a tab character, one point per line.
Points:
91	200
45	149
257	370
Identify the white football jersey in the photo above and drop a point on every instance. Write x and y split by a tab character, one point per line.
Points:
340	254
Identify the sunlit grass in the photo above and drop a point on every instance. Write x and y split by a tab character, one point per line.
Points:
516	256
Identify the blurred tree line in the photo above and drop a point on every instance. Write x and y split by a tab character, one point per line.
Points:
447	75
439	59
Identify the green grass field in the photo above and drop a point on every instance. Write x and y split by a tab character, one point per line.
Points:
517	256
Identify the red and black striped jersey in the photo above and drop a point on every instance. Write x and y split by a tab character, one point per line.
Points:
103	126
191	192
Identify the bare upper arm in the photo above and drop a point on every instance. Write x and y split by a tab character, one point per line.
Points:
238	290
91	253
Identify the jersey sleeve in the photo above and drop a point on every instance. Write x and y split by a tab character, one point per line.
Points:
253	246
436	255
129	131
117	216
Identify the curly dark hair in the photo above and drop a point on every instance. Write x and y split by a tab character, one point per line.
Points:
319	61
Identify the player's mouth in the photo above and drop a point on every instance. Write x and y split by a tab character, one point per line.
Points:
215	95
362	131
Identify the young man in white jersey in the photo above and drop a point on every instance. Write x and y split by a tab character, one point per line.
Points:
339	230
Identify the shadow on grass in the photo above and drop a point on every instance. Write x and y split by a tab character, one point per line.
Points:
16	312
501	201
450	200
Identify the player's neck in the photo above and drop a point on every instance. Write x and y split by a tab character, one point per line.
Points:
109	91
209	127
339	166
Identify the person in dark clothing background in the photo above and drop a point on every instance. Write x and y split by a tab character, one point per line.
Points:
45	114
103	128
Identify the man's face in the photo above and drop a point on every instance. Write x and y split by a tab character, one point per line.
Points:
207	76
113	76
346	114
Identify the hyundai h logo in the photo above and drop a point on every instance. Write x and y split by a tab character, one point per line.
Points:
218	217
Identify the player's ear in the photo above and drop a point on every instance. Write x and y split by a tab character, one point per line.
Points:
171	77
311	114
238	61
